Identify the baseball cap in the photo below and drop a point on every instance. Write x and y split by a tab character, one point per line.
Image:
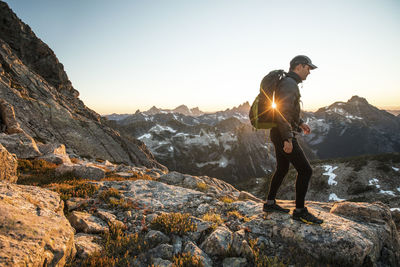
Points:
302	60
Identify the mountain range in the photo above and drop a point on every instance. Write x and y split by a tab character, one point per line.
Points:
224	145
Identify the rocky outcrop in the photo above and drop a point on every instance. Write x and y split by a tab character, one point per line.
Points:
45	104
353	234
33	229
20	144
8	166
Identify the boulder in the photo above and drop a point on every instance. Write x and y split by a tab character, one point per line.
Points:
196	251
87	223
218	242
33	229
82	171
154	238
54	153
20	144
163	251
86	244
8	165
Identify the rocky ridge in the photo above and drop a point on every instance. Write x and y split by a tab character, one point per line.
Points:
218	224
39	104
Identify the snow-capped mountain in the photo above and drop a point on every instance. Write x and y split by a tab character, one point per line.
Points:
223	144
352	128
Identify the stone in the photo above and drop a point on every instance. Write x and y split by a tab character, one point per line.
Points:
162	263
240	245
33	228
234	262
54	153
86	244
8	118
218	242
20	144
109	218
196	251
87	223
8	165
247	196
177	244
396	218
164	251
82	171
248	207
154	238
76	202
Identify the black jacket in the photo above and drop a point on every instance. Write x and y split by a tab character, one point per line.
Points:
288	96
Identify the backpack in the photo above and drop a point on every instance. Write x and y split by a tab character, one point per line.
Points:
262	112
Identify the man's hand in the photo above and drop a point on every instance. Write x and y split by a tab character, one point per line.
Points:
288	146
306	129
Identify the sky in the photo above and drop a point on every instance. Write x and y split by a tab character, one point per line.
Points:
127	55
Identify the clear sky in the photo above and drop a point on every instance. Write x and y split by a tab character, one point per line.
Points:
126	55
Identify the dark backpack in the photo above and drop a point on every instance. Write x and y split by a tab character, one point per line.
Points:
262	114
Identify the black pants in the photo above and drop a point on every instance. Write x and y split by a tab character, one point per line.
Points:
300	163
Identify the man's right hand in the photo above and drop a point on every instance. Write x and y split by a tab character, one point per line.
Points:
288	146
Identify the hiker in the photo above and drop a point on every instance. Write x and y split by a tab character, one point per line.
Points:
287	149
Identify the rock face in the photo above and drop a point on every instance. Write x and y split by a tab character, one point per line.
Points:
8	166
46	105
33	229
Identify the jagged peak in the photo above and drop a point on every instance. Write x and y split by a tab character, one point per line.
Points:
357	99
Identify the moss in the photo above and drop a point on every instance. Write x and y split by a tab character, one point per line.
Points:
174	223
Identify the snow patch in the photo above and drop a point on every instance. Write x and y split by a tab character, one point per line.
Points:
160	128
387	192
223	162
393	209
334	197
329	172
375	182
145	136
395	169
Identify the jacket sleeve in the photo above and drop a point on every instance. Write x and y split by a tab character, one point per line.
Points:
288	93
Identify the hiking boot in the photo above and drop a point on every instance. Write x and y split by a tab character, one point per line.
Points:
306	217
274	207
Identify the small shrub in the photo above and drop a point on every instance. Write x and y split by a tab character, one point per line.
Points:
114	198
174	223
202	186
236	214
39	172
120	249
75	160
74	188
262	260
227	200
187	260
111	192
214	218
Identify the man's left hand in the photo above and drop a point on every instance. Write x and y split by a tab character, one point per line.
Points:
306	129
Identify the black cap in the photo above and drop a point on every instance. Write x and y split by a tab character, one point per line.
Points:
302	60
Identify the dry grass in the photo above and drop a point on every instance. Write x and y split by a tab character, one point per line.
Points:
214	218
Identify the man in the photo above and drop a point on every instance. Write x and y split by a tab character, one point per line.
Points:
287	149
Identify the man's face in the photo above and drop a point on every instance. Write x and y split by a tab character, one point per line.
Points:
303	70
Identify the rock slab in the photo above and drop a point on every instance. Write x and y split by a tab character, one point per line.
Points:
33	229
